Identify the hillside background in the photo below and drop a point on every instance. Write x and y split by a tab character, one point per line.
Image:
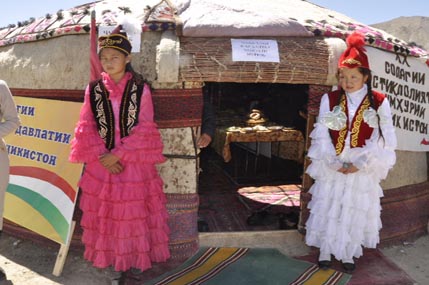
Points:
414	30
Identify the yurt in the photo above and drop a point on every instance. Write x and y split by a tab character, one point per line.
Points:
263	60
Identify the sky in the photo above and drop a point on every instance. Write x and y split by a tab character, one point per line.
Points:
14	11
376	11
364	11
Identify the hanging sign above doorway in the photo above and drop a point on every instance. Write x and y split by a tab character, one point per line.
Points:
255	50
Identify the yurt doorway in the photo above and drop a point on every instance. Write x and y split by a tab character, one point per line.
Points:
251	173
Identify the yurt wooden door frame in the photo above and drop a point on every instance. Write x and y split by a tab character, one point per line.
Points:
302	61
224	97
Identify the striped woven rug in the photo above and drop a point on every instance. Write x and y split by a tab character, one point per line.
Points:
245	266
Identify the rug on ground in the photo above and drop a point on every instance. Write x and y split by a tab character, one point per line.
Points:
237	266
372	268
257	198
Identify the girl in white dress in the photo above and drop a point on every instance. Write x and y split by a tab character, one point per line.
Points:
352	149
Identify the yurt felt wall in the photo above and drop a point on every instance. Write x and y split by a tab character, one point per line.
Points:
61	63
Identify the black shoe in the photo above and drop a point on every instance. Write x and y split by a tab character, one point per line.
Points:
134	274
324	264
349	267
119	280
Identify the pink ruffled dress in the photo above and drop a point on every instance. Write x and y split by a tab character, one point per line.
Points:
124	217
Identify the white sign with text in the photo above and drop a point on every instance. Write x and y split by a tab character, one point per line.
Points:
255	50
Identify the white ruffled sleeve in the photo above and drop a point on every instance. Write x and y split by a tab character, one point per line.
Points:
378	155
322	152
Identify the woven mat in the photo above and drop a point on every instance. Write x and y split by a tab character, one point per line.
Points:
244	266
373	268
260	198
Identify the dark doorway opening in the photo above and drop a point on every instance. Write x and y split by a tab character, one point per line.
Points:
253	183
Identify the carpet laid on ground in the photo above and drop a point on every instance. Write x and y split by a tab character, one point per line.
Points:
372	268
257	198
244	266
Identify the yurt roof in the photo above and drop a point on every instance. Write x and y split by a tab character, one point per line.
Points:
208	18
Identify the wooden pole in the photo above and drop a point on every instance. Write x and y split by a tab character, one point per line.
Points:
62	253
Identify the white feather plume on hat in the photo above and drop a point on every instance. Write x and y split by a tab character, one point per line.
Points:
130	24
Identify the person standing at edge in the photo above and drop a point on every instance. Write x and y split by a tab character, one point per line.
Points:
9	122
124	217
208	129
208	124
352	150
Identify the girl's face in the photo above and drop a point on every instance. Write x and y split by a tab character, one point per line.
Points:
113	62
351	79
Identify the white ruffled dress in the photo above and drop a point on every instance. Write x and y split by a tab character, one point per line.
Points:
345	209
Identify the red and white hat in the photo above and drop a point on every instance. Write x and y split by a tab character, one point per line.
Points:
354	55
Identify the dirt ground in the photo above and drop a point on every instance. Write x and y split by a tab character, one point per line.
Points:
26	262
413	258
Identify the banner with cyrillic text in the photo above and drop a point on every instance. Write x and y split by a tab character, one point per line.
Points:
405	81
42	190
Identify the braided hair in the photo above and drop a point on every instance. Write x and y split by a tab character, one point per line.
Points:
137	76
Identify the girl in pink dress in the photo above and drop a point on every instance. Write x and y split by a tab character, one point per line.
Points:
124	217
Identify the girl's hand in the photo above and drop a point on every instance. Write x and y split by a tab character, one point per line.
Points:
116	168
348	168
108	160
351	169
342	170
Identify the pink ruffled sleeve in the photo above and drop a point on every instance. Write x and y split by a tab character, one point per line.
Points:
86	145
144	143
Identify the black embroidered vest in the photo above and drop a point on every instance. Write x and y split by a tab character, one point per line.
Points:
103	112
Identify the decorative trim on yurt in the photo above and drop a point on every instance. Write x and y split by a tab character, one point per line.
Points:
174	108
315	93
183	216
56	94
411	202
73	21
178	107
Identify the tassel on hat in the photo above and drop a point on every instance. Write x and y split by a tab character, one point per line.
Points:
131	25
354	55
